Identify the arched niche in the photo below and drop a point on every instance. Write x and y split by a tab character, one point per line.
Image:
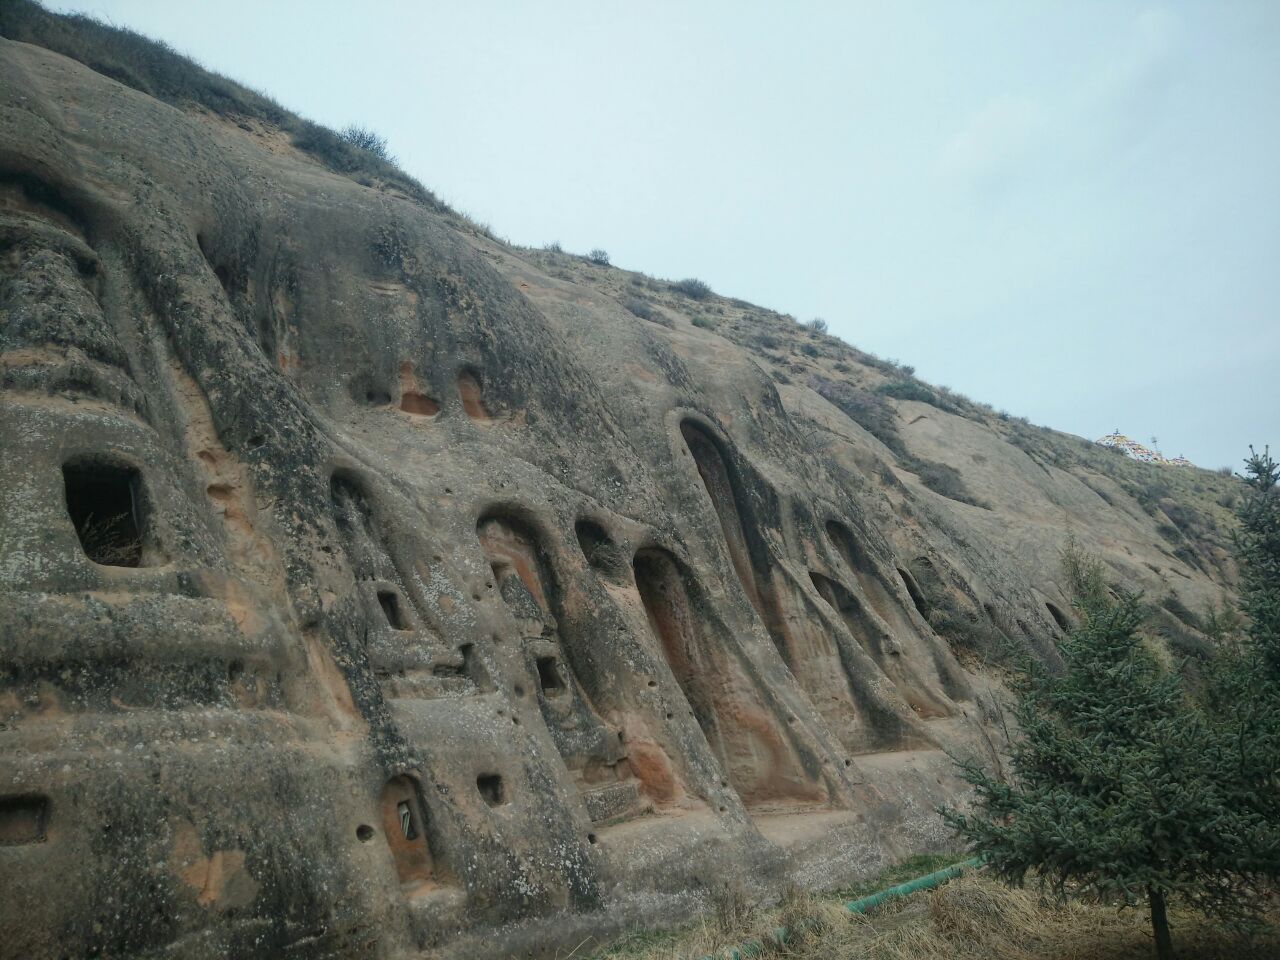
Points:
746	547
592	749
754	752
471	393
404	825
883	649
520	572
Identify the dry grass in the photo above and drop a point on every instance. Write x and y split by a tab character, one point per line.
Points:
972	918
111	541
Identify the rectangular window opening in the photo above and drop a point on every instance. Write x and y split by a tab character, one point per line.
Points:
22	819
549	677
491	789
389	600
104	502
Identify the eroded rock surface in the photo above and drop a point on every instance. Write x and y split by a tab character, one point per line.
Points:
372	587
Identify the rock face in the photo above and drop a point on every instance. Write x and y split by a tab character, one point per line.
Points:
373	587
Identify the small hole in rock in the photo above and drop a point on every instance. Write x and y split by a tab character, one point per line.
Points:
389	600
591	838
597	546
492	790
22	819
913	590
549	677
364	833
1059	617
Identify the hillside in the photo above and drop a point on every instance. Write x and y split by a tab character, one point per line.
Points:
371	586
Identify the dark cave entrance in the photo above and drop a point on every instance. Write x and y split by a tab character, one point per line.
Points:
1059	617
549	677
492	790
389	600
22	819
107	508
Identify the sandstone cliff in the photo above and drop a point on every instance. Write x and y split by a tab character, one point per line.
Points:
373	587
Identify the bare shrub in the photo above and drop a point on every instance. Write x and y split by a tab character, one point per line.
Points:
945	480
640	307
362	138
732	910
692	288
864	408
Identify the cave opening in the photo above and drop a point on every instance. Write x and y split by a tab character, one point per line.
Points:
1059	617
23	819
491	788
404	827
471	393
549	677
914	592
599	548
389	601
107	508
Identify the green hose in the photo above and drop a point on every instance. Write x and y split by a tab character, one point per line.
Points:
927	882
780	935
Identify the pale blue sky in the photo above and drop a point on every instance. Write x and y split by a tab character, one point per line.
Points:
1069	210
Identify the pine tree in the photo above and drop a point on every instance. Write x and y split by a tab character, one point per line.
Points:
1243	690
1118	785
1258	550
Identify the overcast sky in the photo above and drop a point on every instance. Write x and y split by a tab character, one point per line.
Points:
1068	210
